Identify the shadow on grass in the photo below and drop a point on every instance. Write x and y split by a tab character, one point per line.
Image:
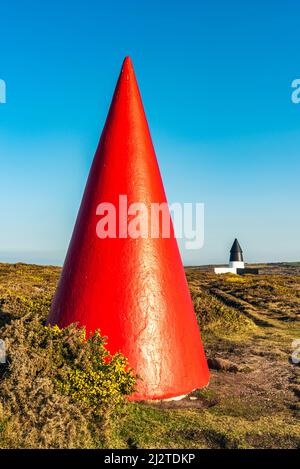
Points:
5	317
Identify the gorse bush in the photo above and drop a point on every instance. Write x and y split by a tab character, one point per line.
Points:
56	389
92	375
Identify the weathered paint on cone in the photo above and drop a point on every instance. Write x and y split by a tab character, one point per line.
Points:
133	290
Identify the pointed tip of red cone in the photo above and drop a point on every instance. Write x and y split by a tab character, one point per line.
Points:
127	60
127	65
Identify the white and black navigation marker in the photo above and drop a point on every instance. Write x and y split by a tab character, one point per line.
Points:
236	256
236	262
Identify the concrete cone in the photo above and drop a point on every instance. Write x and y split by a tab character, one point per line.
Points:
133	290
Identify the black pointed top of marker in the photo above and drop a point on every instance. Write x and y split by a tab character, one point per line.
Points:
236	253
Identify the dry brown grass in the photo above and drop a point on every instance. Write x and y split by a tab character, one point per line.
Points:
249	321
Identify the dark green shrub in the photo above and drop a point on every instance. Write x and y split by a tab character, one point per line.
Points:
57	388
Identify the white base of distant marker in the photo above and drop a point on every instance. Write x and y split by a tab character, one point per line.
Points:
237	264
225	270
232	269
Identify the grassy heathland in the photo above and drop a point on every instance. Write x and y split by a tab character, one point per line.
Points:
58	391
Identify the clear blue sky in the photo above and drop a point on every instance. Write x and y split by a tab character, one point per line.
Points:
215	78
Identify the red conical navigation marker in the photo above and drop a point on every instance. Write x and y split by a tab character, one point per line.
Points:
133	290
